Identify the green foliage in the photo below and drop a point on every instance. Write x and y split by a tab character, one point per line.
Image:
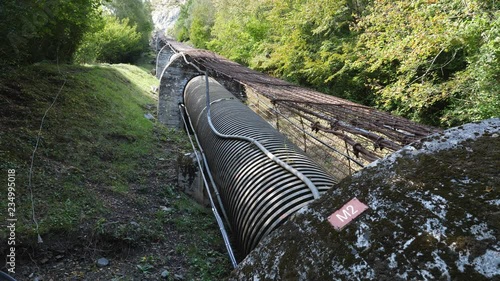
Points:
195	22
314	44
115	42
181	28
121	35
138	13
43	30
434	61
475	94
87	155
239	29
56	29
421	56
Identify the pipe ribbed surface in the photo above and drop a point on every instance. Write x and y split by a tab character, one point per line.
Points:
257	193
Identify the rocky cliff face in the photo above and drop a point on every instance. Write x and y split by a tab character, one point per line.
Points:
165	13
434	213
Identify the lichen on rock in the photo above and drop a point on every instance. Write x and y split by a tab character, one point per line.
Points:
433	214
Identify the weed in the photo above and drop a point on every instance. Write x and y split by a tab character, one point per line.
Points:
168	191
99	226
146	264
145	268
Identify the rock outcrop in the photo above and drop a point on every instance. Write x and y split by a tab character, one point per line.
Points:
165	13
434	214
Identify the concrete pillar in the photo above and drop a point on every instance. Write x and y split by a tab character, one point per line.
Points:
173	80
189	178
163	58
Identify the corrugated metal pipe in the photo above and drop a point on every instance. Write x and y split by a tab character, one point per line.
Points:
262	177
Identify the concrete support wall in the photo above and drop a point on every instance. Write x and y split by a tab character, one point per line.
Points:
173	80
162	59
189	178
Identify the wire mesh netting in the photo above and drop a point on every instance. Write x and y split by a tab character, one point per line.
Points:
340	135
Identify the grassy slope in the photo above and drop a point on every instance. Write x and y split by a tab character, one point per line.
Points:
100	165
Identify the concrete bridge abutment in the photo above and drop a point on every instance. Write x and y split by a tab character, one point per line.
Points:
173	79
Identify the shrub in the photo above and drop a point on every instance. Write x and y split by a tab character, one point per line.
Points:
43	30
116	42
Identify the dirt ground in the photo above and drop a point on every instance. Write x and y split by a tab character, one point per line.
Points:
104	181
135	249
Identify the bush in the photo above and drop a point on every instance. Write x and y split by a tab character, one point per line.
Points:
436	63
138	13
115	42
195	22
43	30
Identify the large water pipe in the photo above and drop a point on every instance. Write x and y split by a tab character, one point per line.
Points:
258	193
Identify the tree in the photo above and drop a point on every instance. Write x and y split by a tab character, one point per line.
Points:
240	30
433	61
181	27
44	30
138	13
195	22
425	56
121	35
115	42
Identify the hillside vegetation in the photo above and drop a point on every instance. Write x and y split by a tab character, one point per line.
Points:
95	174
74	31
103	179
434	61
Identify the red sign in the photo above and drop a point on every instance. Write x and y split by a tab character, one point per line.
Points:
346	214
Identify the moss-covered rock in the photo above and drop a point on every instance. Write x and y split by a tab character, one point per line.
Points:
434	212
